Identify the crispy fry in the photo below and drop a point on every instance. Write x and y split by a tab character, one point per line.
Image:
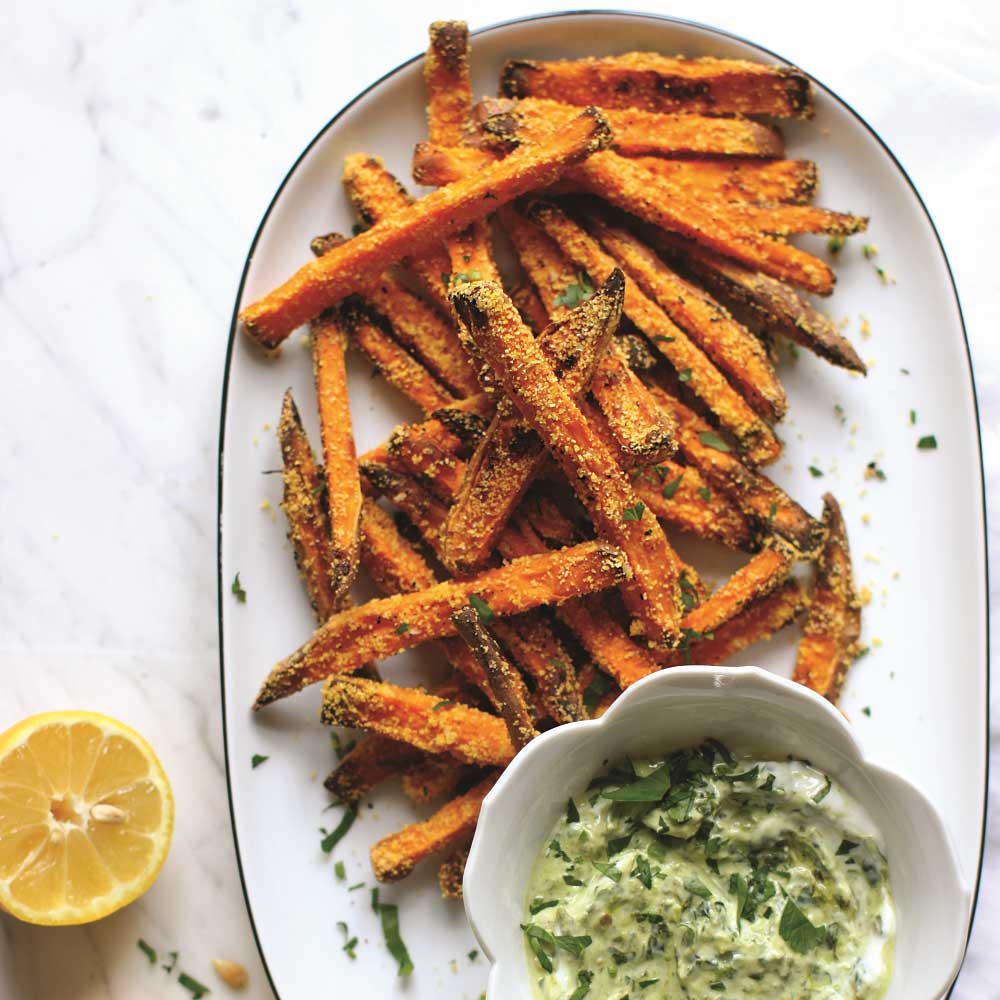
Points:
641	428
347	268
423	510
422	720
511	454
452	873
768	508
427	450
376	195
833	626
446	77
661	83
436	166
548	268
433	778
761	303
343	489
756	623
503	676
371	761
756	439
792	181
395	856
653	594
308	526
395	364
384	627
679	495
737	353
638	133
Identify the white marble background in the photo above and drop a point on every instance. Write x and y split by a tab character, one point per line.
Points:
141	143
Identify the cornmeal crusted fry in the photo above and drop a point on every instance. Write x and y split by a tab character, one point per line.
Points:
663	83
653	594
469	418
833	626
446	78
427	453
761	303
395	856
436	166
639	133
371	761
792	181
412	716
394	363
505	681
373	630
757	623
736	352
343	489
348	268
529	305
376	195
452	873
308	525
433	778
756	439
511	454
768	508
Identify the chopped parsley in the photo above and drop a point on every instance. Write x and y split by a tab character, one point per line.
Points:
595	690
578	292
913	417
642	872
835	244
340	871
196	989
148	951
333	837
663	338
815	473
634	513
671	488
465	276
257	759
473	955
538	904
652	788
874	471
484	611
389	914
237	589
870	251
169	967
867	710
608	870
442	704
339	748
798	931
685	375
927	443
704	493
713	441
350	943
824	792
572	813
402	628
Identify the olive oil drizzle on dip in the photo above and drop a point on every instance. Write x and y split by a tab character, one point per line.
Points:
711	874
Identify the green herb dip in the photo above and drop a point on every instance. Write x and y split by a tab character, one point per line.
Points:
711	874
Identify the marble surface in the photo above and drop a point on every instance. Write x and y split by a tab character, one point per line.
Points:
142	142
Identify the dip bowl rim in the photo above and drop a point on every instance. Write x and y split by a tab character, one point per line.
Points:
943	910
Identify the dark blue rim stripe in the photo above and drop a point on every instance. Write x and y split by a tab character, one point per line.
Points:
234	323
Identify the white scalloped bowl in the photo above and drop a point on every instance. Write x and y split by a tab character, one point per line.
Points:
748	709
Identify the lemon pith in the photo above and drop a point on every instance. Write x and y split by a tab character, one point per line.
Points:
86	816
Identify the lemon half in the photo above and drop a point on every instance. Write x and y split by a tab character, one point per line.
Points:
86	816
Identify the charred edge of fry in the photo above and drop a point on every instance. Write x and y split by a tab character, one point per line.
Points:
345	269
653	595
833	626
464	424
500	672
452	873
433	778
395	856
308	528
425	511
764	304
374	631
660	83
636	351
422	720
446	78
373	760
429	456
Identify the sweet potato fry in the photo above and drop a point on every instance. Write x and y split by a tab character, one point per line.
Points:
446	78
756	623
768	508
692	365
737	353
433	778
395	364
376	195
436	166
761	303
395	856
427	450
423	510
504	679
308	525
555	277
343	489
511	454
529	305
637	133
371	761
468	418
792	181
679	495
662	83
833	626
384	627
451	874
653	595
348	268
422	720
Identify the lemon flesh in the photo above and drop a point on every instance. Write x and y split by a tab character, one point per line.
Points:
86	816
